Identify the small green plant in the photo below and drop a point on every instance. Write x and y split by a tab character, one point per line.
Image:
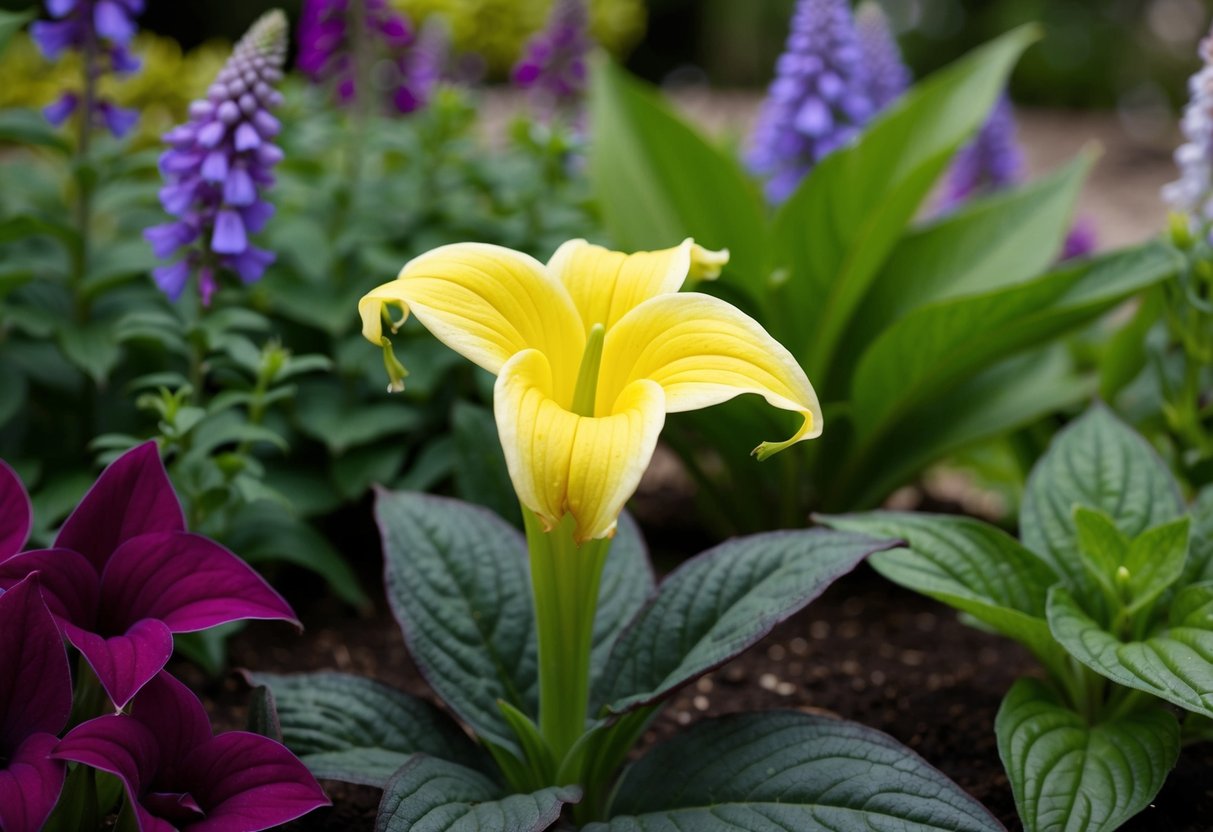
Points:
1111	589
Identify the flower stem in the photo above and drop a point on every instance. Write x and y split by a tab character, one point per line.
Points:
565	580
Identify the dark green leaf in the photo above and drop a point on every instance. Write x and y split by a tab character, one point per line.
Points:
11	23
263	714
627	584
15	387
325	413
1069	776
481	475
1200	556
91	347
21	126
356	471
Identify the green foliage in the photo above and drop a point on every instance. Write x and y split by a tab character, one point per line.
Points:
1110	590
897	323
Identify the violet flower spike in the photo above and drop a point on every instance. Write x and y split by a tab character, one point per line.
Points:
888	75
35	695
1192	194
101	30
553	67
217	166
124	575
819	101
991	162
178	776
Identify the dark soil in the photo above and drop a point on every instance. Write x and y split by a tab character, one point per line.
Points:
866	651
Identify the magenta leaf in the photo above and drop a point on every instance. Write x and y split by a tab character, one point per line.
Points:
69	583
133	496
187	581
35	682
30	784
124	663
15	512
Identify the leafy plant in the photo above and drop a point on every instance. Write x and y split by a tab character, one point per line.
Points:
921	338
1111	589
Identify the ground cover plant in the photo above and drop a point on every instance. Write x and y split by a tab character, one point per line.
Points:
1111	588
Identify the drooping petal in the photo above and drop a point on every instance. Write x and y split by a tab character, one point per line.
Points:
127	662
16	515
606	285
120	746
245	783
703	351
487	303
560	462
174	715
30	784
132	496
35	683
70	585
187	581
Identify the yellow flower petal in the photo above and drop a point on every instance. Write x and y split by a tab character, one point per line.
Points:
487	303
606	284
563	463
703	351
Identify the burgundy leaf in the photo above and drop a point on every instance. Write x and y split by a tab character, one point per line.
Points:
35	682
133	496
127	662
70	585
188	582
30	785
15	512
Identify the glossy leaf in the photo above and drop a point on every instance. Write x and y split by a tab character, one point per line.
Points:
788	770
1069	776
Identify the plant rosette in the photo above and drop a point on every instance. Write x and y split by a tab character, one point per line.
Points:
1111	587
556	650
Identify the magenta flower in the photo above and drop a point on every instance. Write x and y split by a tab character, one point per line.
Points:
554	65
35	694
124	575
178	776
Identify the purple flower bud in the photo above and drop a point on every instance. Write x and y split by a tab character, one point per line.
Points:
552	67
62	109
217	164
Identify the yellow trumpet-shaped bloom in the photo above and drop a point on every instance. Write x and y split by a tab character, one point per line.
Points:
590	352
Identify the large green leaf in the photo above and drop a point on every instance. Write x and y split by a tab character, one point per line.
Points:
929	350
1098	462
1174	663
969	565
352	729
837	230
481	475
1069	776
627	583
790	771
658	181
1200	554
431	795
91	347
326	413
718	604
457	582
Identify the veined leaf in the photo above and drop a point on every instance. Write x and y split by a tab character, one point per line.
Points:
481	475
1068	776
1199	567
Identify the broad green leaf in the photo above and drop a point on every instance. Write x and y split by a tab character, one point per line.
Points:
929	350
357	470
718	604
91	347
431	795
1155	561
1174	663
841	224
1098	462
1069	776
356	730
22	126
1200	555
341	422
1126	354
658	181
457	582
117	264
15	387
627	584
791	771
481	475
972	566
1102	548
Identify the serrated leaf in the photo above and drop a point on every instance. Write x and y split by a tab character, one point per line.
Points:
1098	462
627	584
431	795
718	604
356	730
1069	776
481	475
457	582
791	771
1174	663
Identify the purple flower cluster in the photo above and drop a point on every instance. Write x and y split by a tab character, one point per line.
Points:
553	66
217	165
121	578
101	30
334	35
832	78
1192	194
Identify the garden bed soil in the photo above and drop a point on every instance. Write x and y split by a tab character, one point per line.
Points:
866	651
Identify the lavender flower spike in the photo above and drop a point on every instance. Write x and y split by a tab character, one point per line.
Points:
989	163
888	76
217	165
1192	193
553	67
101	30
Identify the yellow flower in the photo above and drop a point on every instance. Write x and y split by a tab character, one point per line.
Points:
590	352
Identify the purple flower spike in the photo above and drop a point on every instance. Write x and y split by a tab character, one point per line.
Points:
553	66
35	701
216	166
180	777
819	101
16	516
124	576
1192	194
990	162
888	76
